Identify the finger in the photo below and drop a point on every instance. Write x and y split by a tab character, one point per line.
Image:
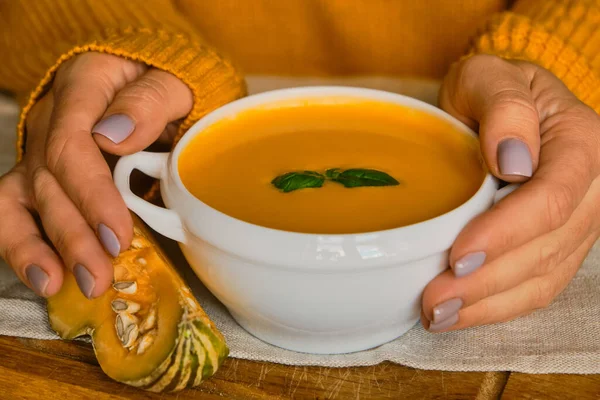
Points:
446	292
80	99
71	235
21	243
141	111
495	95
531	295
542	205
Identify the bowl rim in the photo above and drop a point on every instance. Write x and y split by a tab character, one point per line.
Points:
313	92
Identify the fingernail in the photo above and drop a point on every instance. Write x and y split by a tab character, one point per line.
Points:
85	280
38	278
117	127
445	324
514	158
469	263
446	309
109	240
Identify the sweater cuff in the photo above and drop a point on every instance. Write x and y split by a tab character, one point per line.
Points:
517	37
212	79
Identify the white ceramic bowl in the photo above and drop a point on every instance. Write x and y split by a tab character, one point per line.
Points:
305	292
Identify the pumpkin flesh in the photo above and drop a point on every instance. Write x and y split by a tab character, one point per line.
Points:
147	330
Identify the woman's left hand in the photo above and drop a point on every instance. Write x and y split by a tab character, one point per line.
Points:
522	253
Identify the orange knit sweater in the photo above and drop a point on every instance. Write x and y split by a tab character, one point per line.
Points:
195	39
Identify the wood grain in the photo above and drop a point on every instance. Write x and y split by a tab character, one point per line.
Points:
552	387
38	369
35	369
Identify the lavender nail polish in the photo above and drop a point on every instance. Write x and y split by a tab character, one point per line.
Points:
38	278
85	280
109	240
117	127
445	310
514	158
469	263
445	324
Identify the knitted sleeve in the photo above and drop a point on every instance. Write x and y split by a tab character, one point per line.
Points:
562	36
36	37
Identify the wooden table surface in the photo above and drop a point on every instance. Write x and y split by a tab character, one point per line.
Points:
38	369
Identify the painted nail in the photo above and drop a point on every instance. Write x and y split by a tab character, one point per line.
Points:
109	240
514	158
117	127
85	280
38	278
469	263
445	324
446	309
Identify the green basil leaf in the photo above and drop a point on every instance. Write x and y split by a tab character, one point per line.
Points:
332	173
355	177
358	177
298	180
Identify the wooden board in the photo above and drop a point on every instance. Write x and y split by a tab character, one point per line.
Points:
37	369
552	387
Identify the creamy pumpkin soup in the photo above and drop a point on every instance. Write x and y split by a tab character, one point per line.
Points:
401	166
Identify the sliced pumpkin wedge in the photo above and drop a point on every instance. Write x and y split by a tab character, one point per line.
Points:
148	330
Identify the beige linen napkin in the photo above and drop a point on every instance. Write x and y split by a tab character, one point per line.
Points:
564	338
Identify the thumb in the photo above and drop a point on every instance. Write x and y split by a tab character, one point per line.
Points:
493	94
141	111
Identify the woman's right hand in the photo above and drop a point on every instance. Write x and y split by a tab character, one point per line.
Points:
96	102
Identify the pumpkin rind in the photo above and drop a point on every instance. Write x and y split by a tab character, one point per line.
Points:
182	347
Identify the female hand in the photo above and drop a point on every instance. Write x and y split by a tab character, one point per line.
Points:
521	254
96	102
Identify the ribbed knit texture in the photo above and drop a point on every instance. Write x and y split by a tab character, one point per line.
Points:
292	37
36	37
562	36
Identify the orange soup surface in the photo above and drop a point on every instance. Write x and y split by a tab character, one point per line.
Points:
230	165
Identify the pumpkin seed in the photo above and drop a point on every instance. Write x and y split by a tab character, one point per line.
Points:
131	334
119	327
141	261
127	329
127	287
146	341
150	321
138	243
119	305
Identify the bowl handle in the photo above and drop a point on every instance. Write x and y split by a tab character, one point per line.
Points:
164	221
505	191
